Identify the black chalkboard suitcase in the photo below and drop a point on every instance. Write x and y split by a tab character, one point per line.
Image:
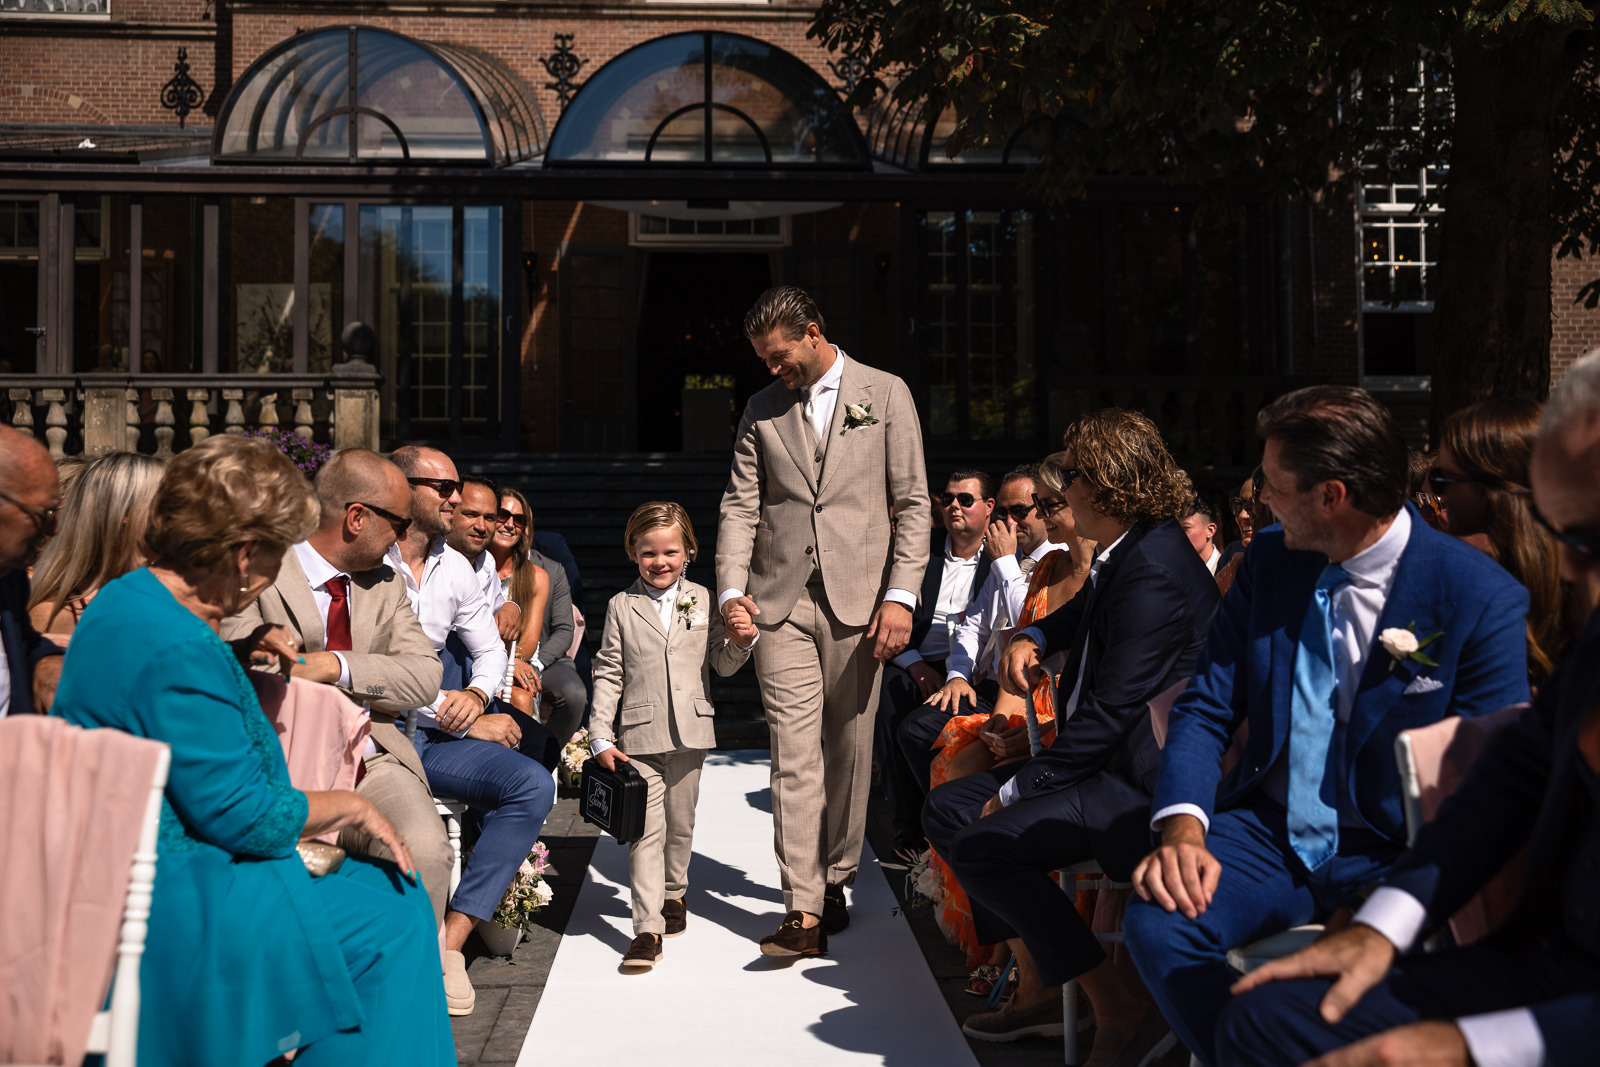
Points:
613	800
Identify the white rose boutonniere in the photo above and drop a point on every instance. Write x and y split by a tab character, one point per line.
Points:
857	415
686	605
1403	643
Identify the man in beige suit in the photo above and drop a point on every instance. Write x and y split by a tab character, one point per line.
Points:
351	615
822	462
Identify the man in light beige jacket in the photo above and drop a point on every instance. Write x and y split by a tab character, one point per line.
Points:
823	538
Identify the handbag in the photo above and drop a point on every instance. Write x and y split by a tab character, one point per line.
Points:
320	859
613	800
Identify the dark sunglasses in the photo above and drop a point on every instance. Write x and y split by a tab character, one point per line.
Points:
503	516
400	525
1440	482
445	487
45	519
1017	512
1237	504
966	500
1068	476
1048	510
1585	544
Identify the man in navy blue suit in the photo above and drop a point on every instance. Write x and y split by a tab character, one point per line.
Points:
1132	631
1352	622
29	497
1530	992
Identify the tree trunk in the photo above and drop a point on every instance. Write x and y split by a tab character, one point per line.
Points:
1492	290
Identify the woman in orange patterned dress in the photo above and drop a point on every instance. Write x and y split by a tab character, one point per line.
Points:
969	743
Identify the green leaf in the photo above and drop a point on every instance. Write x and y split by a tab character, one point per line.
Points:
1426	661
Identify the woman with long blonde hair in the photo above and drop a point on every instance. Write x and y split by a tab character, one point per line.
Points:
100	536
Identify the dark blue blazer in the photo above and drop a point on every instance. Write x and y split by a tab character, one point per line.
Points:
1525	788
1140	626
25	647
922	618
1246	671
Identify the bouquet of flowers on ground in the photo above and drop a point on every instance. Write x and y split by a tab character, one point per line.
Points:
922	885
573	757
528	892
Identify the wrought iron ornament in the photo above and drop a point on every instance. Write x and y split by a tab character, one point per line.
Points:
561	65
182	94
848	69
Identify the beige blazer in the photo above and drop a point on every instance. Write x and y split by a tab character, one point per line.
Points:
393	667
648	683
779	512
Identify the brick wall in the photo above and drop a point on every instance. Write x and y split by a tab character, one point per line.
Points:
1573	328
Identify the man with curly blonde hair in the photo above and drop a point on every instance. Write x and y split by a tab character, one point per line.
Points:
1131	632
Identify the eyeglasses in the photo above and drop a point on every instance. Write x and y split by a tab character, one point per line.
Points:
966	500
1068	476
1048	510
503	516
445	487
1018	512
1439	482
1585	544
46	519
400	525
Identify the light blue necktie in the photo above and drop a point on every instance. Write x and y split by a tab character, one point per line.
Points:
1313	789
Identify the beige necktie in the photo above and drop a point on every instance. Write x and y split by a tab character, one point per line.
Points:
1027	565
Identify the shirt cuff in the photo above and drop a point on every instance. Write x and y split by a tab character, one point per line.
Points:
344	671
905	659
903	597
1180	809
598	745
1007	568
1395	914
1032	633
1503	1038
1008	793
727	595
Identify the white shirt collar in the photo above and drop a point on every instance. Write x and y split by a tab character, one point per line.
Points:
951	557
656	594
318	569
834	374
1045	548
1375	565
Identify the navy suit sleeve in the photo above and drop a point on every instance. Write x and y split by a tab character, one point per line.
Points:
1493	668
1571	1026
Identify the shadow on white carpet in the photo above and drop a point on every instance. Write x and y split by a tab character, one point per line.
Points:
713	998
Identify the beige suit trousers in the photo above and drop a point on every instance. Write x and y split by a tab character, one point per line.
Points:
658	863
819	683
393	790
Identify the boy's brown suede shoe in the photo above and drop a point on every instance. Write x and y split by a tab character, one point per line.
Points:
793	939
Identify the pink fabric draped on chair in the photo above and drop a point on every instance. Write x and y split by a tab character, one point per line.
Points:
323	734
72	802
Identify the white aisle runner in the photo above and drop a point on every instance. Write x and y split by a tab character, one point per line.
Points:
713	998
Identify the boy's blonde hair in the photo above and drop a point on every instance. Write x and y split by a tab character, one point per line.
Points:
658	515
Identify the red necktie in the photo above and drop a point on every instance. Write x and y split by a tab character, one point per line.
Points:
338	615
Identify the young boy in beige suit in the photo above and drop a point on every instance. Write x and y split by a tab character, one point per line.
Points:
662	637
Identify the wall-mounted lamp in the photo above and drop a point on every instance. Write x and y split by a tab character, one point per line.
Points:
530	273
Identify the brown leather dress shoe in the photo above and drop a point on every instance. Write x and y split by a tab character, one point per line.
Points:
834	916
643	954
793	939
676	912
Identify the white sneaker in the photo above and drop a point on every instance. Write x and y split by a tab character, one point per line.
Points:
459	996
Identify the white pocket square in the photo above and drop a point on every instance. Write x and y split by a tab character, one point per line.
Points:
1422	685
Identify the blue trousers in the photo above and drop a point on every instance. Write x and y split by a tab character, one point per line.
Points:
510	796
1279	1023
1264	889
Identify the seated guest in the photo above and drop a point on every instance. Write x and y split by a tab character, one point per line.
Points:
1201	530
248	957
1133	630
1319	651
564	701
469	755
1250	514
348	617
101	537
525	583
553	547
1529	993
957	568
1480	483
29	497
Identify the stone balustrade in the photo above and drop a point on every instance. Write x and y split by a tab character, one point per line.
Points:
164	413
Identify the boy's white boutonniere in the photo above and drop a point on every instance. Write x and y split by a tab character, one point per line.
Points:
686	604
1405	644
857	415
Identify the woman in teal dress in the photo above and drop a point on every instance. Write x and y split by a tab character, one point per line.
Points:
248	956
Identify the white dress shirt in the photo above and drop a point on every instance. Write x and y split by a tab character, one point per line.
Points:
990	618
955	594
450	598
5	682
1354	611
1213	559
665	600
319	572
824	397
488	571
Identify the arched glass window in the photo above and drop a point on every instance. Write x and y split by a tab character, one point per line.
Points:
708	99
357	94
900	133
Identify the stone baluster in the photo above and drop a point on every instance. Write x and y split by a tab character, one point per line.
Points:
199	417
130	420
22	410
269	411
233	416
55	421
165	430
302	413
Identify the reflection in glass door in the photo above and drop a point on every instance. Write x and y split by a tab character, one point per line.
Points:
431	287
22	324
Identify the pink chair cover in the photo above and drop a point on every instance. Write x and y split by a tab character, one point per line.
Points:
324	735
1444	752
72	802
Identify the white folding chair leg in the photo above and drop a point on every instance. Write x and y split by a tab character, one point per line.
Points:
451	811
1069	1022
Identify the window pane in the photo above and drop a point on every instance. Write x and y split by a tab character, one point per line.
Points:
615	115
327	286
258	287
